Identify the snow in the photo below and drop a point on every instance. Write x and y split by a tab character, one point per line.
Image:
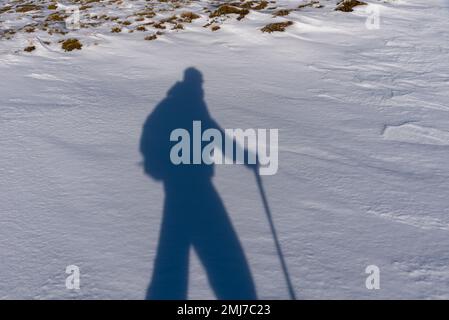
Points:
363	172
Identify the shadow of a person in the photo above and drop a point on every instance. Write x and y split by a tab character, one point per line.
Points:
194	214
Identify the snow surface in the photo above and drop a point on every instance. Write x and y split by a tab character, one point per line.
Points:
363	165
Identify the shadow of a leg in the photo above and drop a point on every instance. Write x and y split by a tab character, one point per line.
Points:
170	275
216	243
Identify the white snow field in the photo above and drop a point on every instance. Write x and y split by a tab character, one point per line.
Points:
363	174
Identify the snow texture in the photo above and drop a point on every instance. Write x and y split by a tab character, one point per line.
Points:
363	152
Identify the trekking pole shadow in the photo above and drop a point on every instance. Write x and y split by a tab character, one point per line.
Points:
291	291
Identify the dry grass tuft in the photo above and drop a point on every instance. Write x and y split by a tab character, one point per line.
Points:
227	9
29	48
281	13
5	9
55	17
189	16
348	5
151	37
71	44
27	7
262	5
277	26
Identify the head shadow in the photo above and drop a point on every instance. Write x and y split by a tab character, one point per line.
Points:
194	215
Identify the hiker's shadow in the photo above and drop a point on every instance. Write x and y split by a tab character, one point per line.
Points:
194	215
